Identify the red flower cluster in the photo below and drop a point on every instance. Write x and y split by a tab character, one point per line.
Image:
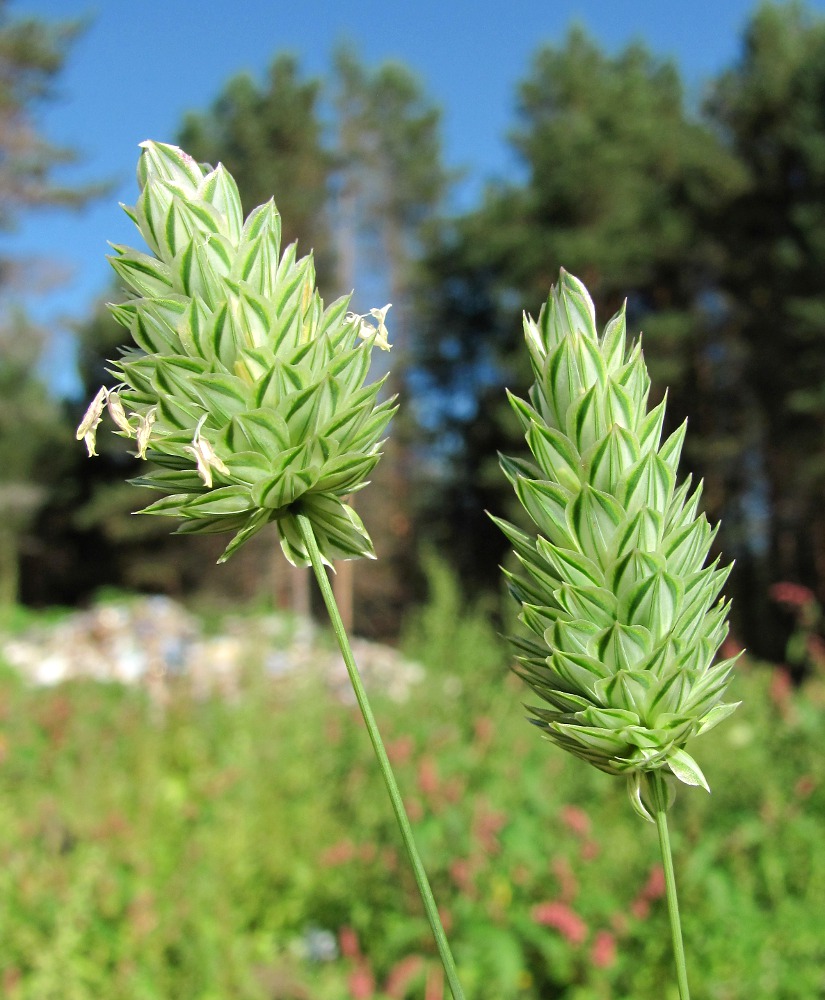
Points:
562	918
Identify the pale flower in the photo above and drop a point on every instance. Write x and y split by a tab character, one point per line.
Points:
366	331
205	456
87	430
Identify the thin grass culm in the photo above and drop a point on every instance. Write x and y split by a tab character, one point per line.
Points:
247	396
420	874
623	618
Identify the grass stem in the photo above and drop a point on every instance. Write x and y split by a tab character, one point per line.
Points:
659	799
421	879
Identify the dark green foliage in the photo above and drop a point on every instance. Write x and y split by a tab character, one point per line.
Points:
711	225
770	109
618	178
34	448
33	437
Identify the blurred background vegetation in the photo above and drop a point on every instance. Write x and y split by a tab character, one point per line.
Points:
710	220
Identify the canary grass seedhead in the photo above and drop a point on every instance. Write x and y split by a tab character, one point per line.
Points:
246	394
623	615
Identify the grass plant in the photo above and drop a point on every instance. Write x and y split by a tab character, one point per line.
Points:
622	613
251	401
240	850
247	396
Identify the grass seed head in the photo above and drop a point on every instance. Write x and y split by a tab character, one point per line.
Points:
246	394
623	615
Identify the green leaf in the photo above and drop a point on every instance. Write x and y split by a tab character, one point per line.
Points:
555	455
571	566
174	376
252	526
613	342
186	220
219	190
143	274
671	450
623	647
565	385
290	479
687	549
175	480
165	162
264	217
685	768
223	396
203	264
261	430
590	604
655	603
546	503
593	518
643	531
578	673
218	525
585	419
345	473
649	483
153	323
224	500
171	506
253	317
716	715
610	459
632	570
634	791
527	416
248	467
650	429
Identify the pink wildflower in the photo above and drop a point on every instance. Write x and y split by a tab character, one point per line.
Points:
428	781
338	854
781	686
399	751
576	820
348	942
567	880
401	975
792	594
560	917
603	952
434	990
590	849
486	828
655	887
484	729
461	872
361	982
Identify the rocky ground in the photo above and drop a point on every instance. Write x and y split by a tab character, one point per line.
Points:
154	640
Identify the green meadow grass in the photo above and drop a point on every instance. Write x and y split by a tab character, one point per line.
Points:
243	849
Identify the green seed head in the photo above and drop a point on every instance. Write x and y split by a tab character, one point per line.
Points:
624	617
243	390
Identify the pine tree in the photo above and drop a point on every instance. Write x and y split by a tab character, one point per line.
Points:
770	108
32	55
618	179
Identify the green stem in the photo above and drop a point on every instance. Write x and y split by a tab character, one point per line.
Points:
659	798
308	535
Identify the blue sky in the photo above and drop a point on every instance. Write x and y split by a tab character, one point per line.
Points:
141	64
